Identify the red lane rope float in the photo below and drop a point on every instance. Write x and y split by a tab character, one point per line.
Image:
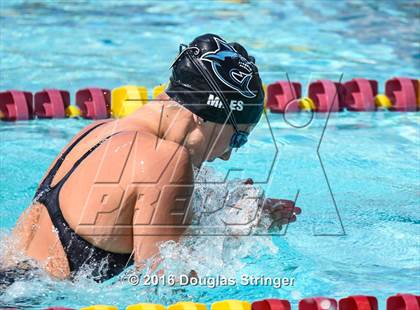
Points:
403	302
359	94
271	304
326	95
16	105
358	303
282	96
51	103
318	303
402	93
94	103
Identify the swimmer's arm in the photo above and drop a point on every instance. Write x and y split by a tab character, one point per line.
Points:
164	213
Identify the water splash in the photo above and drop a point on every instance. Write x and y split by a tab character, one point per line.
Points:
232	208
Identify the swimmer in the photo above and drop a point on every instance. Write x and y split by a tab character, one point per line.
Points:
111	196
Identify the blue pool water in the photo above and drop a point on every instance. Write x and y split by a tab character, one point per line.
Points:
358	236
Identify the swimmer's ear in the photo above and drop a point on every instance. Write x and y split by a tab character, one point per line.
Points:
241	50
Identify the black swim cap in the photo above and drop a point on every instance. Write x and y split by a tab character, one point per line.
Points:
217	81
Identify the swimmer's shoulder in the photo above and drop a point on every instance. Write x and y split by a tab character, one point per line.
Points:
160	155
99	124
168	161
83	131
75	137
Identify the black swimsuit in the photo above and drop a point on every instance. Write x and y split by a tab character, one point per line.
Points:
79	252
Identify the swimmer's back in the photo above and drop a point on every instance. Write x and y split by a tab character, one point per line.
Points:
99	198
100	192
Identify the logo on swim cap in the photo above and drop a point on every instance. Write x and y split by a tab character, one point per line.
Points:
222	58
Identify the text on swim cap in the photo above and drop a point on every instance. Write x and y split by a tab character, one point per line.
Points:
235	105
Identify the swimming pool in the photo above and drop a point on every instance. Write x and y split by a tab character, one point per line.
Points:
371	159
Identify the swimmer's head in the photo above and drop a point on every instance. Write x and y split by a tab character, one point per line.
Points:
210	68
219	83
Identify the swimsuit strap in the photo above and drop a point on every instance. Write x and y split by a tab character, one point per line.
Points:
46	183
79	161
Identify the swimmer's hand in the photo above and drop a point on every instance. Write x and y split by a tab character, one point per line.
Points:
281	211
249	181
